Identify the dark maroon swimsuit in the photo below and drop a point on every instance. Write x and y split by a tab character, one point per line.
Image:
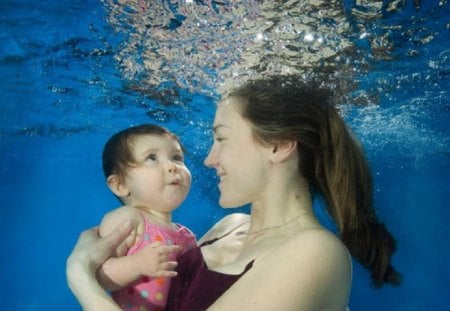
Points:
196	288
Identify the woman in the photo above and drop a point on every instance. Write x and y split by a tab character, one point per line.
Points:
277	143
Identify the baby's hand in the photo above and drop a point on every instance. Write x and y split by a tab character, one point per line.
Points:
154	260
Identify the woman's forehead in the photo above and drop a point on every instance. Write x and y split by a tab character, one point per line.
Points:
229	118
226	109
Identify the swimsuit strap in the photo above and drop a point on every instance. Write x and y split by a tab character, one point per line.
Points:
212	241
209	242
248	266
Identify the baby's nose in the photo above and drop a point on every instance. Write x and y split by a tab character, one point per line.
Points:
173	168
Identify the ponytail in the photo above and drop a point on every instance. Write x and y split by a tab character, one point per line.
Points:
343	176
330	159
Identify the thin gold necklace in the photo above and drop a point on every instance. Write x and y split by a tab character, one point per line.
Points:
278	226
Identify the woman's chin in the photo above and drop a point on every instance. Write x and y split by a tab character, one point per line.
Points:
227	203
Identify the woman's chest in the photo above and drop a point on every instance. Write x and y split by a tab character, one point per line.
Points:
240	261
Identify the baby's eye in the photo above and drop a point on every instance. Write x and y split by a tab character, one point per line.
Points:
178	157
152	156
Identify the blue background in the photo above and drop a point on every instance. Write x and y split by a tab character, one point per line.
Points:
61	97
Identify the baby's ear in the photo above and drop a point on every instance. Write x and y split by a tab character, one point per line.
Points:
117	187
283	150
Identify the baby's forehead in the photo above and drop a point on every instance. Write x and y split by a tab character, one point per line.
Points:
155	140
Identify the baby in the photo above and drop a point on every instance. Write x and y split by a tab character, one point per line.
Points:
144	167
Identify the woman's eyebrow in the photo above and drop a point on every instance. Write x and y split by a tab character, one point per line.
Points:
218	126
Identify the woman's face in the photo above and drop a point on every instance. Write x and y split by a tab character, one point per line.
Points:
240	162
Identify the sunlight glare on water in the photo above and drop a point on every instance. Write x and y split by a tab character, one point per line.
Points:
207	47
218	44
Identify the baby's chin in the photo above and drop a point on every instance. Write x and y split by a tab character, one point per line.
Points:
174	202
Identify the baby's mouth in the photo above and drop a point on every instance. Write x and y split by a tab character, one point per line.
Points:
175	182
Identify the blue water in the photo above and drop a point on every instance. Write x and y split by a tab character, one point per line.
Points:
62	96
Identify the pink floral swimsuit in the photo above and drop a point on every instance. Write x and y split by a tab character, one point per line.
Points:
150	294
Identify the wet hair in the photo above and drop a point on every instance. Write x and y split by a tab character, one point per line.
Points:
118	156
330	159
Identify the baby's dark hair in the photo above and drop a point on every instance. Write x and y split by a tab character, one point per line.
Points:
117	154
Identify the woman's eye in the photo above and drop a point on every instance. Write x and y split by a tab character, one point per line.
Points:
219	139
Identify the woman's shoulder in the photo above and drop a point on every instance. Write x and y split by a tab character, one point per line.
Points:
316	253
311	255
311	263
317	235
310	270
314	243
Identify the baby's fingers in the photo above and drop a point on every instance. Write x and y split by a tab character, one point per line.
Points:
167	269
168	249
168	265
164	248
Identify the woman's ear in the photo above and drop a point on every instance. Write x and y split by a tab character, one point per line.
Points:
283	150
116	186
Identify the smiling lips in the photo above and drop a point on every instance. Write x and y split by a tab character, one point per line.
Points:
222	177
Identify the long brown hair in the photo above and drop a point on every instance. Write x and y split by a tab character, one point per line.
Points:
330	159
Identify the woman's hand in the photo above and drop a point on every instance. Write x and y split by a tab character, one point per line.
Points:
88	255
91	251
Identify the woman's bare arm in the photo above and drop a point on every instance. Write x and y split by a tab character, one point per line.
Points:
88	254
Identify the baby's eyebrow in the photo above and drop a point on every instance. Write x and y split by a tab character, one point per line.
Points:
149	151
177	150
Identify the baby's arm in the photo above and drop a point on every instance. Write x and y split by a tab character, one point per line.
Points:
118	272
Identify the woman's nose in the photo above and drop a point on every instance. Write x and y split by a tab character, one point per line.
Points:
211	158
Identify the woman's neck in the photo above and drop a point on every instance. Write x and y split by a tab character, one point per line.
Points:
281	206
274	220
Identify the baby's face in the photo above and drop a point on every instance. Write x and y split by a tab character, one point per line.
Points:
160	179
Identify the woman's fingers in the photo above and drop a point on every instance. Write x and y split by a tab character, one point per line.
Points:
116	237
92	251
88	254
